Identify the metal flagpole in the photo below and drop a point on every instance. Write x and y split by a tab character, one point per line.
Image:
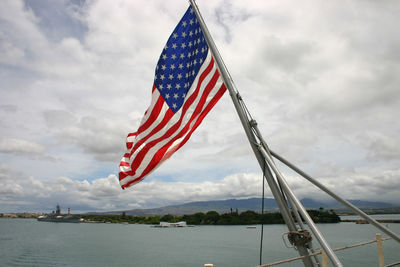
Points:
292	204
236	98
263	147
338	198
303	212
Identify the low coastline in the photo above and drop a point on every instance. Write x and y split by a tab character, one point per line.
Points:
209	218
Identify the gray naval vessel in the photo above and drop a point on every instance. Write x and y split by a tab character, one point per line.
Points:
58	217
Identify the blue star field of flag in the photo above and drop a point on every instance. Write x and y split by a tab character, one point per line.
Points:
180	61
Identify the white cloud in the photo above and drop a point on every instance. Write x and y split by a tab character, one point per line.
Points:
9	183
321	79
380	147
104	194
19	146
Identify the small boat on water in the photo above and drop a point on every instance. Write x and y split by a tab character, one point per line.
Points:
58	217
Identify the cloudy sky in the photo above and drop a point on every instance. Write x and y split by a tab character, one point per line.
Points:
321	78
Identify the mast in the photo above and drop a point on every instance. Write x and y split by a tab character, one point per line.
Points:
265	161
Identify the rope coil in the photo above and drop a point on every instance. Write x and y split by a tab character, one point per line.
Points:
297	238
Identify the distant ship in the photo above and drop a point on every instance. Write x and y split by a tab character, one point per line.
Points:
58	217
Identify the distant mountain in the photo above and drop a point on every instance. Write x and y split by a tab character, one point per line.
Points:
223	206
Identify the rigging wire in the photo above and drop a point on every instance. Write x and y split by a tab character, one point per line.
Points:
262	215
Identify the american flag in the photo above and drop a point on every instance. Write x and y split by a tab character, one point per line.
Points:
187	85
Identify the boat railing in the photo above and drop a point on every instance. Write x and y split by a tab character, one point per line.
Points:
325	260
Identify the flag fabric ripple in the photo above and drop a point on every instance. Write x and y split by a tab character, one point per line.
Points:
187	85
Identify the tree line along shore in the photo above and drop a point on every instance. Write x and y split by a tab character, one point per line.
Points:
212	218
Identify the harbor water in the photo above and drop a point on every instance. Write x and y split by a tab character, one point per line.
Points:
27	242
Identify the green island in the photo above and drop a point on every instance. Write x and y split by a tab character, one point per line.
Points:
212	218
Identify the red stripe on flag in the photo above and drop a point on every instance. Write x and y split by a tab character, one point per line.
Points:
153	115
126	164
165	120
